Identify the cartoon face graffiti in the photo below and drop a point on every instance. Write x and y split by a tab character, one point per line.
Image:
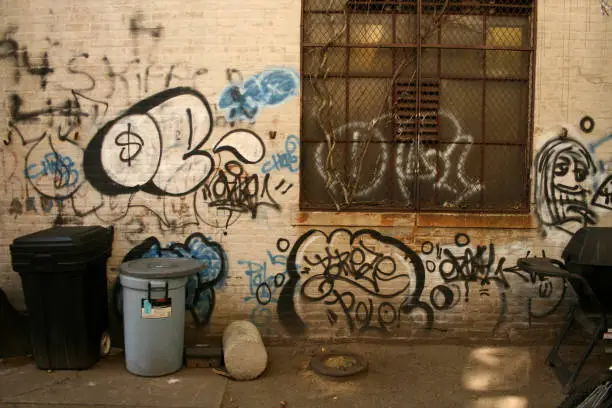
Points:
564	169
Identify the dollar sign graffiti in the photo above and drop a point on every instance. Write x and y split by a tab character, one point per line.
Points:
126	140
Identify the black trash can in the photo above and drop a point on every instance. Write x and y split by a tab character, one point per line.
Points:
63	274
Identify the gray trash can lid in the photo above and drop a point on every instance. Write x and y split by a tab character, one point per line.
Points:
150	268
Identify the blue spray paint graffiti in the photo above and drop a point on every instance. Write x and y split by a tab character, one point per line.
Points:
265	284
47	204
200	289
287	160
603	189
196	246
61	167
263	287
269	88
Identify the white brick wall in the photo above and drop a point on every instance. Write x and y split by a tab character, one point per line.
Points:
213	36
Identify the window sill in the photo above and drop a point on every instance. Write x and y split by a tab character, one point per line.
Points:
425	220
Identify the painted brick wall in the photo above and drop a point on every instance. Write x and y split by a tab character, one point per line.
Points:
128	113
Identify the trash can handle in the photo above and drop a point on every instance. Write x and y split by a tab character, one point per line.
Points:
149	287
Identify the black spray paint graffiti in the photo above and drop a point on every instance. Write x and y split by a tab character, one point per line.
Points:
564	173
45	204
136	79
370	279
200	298
157	146
16	207
473	266
480	266
36	120
79	75
20	57
373	283
137	27
55	169
603	196
9	50
72	113
233	190
143	30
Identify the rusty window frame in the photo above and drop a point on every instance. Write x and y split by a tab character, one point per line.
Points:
335	66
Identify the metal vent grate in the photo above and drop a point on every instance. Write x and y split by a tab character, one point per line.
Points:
412	118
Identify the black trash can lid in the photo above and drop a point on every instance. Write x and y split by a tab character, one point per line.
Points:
61	248
61	236
590	246
152	268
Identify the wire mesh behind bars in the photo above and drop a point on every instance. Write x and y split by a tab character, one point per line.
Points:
417	105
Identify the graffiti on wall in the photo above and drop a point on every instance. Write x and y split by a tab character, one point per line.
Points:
368	279
137	78
160	157
157	146
569	183
22	59
160	146
445	168
266	280
564	169
234	191
289	159
124	83
603	195
200	299
367	282
244	100
467	270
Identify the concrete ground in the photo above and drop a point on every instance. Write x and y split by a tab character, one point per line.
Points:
397	376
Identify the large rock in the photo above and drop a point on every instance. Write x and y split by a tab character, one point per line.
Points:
244	353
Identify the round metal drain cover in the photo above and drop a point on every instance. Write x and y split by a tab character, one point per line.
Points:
338	364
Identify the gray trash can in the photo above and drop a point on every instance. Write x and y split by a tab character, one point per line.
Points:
154	313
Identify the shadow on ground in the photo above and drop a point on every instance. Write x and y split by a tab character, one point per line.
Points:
408	376
398	376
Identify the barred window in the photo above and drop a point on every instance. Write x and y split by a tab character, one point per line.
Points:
417	105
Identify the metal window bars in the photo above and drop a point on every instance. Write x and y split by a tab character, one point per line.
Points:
420	105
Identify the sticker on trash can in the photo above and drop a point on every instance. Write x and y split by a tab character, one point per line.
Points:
156	308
